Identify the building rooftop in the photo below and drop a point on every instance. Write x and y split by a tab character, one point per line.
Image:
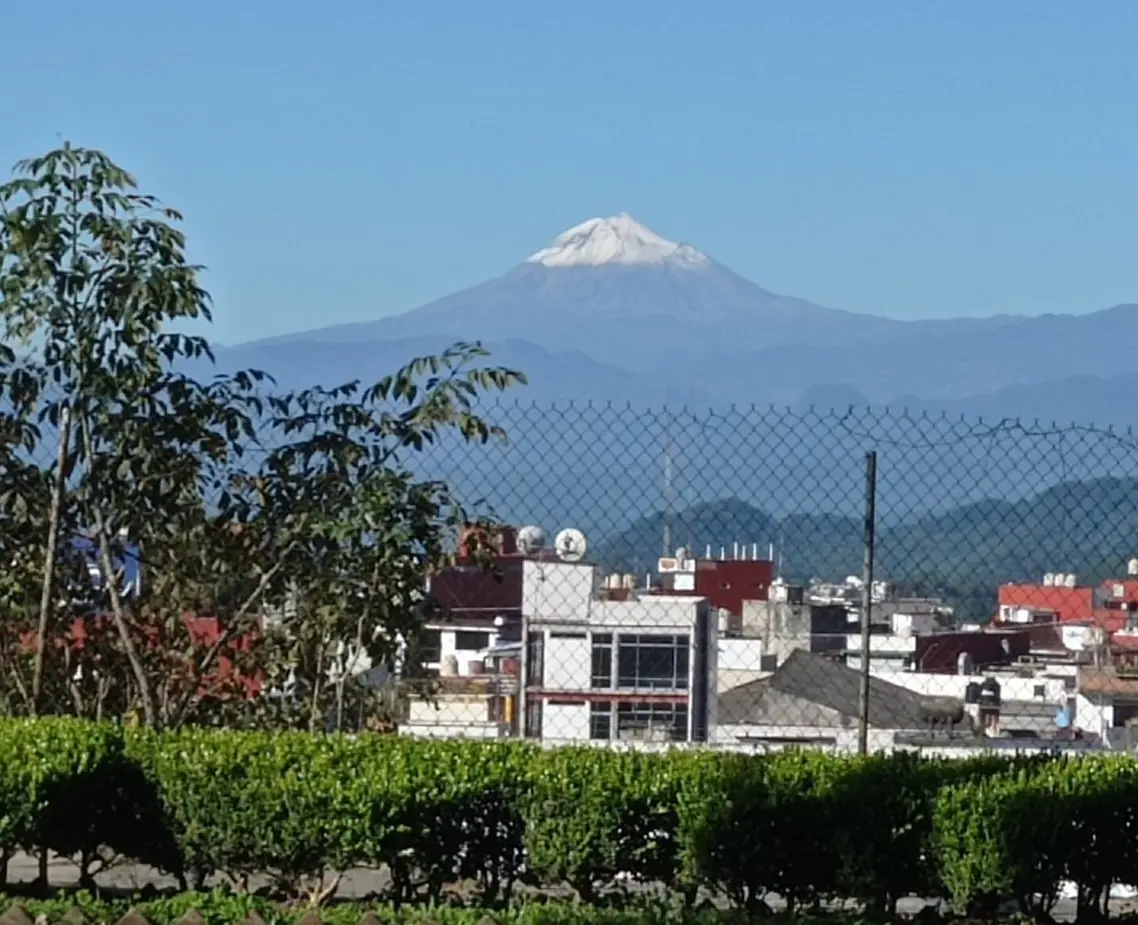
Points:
830	684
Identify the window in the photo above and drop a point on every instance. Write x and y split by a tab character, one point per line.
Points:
602	661
535	660
600	721
652	722
470	641
1040	691
533	719
429	646
1124	712
652	662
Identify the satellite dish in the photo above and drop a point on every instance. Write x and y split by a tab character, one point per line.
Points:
571	545
531	540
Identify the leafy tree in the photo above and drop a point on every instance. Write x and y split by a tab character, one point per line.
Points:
239	502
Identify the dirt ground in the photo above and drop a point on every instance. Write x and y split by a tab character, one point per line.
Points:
360	884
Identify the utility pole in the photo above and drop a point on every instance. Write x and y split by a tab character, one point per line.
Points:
867	599
667	484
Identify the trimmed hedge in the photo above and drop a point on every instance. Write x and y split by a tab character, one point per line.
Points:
219	908
803	825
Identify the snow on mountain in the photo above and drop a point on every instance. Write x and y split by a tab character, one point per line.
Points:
623	295
616	240
613	310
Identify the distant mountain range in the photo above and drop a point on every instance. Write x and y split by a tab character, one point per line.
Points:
612	311
962	554
626	324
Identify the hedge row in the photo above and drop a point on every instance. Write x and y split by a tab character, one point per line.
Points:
217	908
802	825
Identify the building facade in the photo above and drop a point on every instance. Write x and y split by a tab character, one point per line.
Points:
606	665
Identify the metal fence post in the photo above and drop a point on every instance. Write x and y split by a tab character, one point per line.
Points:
867	599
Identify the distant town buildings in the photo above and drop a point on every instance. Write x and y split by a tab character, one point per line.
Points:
719	651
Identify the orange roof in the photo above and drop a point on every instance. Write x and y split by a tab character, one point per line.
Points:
1068	604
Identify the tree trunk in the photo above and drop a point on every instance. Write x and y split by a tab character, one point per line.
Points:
146	694
317	688
50	549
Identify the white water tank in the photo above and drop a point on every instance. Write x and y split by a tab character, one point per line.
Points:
448	667
724	619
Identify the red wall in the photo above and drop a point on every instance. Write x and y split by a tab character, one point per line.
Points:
728	584
940	652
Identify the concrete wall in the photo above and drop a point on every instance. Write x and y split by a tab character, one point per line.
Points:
565	722
454	730
655	613
1095	713
452	716
568	663
886	652
953	685
834	739
558	591
739	661
449	709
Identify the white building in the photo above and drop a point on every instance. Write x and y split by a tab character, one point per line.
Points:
470	707
893	633
614	664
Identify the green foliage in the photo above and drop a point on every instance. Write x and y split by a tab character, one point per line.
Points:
743	821
65	786
1017	834
222	908
806	826
243	502
591	815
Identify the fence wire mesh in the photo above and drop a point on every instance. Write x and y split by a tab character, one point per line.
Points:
699	577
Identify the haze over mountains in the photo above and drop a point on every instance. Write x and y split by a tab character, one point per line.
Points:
613	311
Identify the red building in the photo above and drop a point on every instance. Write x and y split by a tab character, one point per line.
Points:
726	583
1046	603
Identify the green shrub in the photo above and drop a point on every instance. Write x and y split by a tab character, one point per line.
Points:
800	824
1093	838
752	825
67	788
592	814
433	811
219	908
247	803
1003	837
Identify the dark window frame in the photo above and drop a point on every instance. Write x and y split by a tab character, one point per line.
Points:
601	665
637	715
535	659
429	646
465	635
600	721
653	661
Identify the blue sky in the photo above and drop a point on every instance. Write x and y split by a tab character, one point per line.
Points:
348	159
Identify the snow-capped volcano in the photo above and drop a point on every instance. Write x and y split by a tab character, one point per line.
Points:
621	294
619	239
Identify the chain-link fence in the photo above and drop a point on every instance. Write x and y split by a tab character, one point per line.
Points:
763	578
